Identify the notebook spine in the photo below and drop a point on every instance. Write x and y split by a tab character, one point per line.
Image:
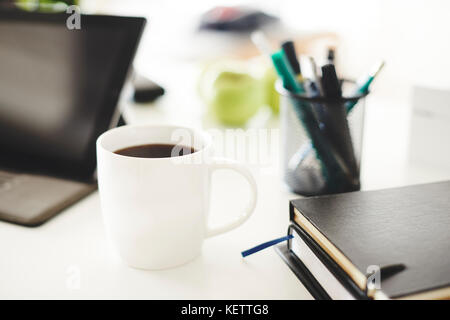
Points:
302	273
331	265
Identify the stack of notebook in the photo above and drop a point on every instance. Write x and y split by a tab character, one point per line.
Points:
392	243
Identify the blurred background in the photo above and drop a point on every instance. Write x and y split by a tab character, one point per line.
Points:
407	114
412	36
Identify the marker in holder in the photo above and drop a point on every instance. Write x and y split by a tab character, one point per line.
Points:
302	170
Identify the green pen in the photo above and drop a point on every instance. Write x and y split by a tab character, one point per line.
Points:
286	73
363	85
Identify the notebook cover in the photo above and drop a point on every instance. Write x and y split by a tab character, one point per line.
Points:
408	225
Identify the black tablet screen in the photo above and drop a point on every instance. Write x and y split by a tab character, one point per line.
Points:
54	83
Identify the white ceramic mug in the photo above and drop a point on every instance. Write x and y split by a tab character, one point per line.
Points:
156	209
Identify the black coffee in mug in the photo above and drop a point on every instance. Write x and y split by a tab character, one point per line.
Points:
156	151
145	200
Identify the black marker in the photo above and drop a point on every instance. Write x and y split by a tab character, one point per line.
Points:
331	55
289	50
335	120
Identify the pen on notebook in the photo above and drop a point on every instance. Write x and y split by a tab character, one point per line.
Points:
391	270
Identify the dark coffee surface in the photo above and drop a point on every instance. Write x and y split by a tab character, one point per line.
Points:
156	151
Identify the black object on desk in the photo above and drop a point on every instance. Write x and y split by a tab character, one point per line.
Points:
58	92
146	90
403	231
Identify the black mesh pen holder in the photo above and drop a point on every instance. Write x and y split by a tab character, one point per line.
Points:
320	150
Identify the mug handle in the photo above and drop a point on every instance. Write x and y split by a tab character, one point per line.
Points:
223	163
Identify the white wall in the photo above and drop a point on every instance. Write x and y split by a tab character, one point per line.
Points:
412	36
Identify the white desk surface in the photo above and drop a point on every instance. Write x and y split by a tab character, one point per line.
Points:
70	257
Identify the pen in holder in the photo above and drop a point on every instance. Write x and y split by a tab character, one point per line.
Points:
303	171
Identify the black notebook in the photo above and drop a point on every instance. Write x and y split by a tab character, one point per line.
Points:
408	227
